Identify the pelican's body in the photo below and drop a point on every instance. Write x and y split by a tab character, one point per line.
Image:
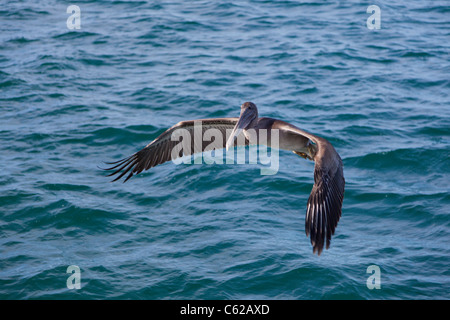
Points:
325	201
287	140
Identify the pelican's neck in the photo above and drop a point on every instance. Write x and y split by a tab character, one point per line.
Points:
252	131
254	123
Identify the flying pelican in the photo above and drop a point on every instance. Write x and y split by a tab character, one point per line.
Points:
324	205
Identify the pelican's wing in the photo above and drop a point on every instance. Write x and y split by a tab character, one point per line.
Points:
183	139
325	201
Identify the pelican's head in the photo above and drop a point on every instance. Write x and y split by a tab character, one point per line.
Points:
247	119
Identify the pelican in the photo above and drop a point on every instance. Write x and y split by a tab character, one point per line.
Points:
324	204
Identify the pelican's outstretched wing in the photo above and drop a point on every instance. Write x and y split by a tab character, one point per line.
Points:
325	201
164	147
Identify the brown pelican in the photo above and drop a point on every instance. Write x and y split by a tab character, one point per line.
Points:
325	201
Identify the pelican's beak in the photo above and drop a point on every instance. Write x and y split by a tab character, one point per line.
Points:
245	119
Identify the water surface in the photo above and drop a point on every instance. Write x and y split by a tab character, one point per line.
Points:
71	99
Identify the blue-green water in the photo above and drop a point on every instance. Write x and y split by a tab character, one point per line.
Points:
71	99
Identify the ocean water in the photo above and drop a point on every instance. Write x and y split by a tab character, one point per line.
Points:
72	99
